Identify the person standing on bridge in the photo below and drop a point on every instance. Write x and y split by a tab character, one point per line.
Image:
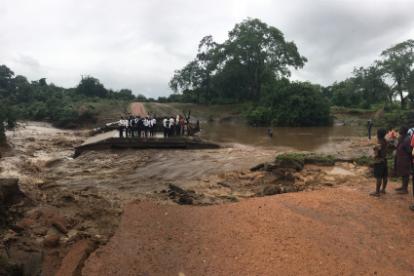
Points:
165	126
146	126
171	126
131	126
121	127
153	126
182	125
135	130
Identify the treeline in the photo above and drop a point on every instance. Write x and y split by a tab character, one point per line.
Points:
38	100
253	65
388	81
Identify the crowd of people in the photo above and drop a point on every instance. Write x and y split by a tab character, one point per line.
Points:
135	126
401	144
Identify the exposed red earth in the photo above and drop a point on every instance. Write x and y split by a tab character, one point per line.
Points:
138	109
338	231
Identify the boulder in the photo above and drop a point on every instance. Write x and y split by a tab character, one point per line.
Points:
289	164
51	240
272	190
9	191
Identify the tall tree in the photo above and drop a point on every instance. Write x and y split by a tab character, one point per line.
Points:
397	62
253	54
262	50
369	82
91	87
6	76
188	78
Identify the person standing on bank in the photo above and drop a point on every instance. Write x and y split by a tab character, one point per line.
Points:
380	163
370	124
403	160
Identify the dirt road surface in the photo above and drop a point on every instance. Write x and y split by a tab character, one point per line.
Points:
138	109
338	231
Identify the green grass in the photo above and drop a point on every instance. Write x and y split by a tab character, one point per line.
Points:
307	158
200	112
364	161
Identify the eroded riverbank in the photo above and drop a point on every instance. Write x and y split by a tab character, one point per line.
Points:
76	200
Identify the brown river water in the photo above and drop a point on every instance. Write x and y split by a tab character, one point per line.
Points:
42	156
298	138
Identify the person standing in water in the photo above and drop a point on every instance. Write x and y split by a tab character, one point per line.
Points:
403	160
380	163
270	132
370	125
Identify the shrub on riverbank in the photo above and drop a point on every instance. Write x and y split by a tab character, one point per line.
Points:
294	104
307	158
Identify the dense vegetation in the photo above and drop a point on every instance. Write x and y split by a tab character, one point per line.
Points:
388	80
38	100
252	65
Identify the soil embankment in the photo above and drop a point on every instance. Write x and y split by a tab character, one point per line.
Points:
338	231
74	206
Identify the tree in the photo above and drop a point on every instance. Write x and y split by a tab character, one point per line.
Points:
253	54
91	87
125	94
188	78
397	63
292	104
262	50
369	82
6	76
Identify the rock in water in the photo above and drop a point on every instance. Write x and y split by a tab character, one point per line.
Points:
9	191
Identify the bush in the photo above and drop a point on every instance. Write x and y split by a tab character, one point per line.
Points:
293	104
396	119
259	116
307	158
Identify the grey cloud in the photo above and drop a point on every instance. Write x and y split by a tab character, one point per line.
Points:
138	44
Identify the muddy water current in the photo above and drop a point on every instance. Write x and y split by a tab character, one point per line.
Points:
298	138
42	156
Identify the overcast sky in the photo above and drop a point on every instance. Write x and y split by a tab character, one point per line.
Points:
138	44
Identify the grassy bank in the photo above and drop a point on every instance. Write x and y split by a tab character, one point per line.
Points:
231	112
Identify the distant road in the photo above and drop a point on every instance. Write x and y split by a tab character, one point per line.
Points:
138	109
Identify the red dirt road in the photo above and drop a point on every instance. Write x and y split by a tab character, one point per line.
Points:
138	109
339	231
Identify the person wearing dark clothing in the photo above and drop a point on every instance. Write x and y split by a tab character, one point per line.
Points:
270	132
380	163
140	127
121	127
370	125
129	128
403	160
135	124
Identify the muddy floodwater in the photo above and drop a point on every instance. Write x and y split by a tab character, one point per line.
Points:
298	138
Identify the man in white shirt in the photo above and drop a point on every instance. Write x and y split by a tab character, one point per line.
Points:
171	126
165	122
146	126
